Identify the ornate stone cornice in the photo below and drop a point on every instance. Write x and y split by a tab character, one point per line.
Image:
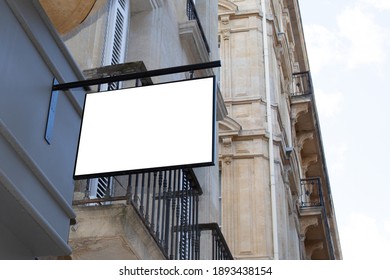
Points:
225	6
229	126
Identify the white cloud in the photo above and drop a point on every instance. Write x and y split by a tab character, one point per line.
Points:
387	227
329	104
364	39
358	40
336	156
323	46
379	4
364	237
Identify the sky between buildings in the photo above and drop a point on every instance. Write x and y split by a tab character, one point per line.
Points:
348	43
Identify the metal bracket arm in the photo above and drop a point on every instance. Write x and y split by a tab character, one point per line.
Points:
105	80
139	75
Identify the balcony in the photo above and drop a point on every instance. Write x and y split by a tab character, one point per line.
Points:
163	206
192	14
305	121
219	250
315	229
302	84
194	38
311	194
308	139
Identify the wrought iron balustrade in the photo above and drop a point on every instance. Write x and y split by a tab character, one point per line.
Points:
167	201
312	196
301	84
311	193
192	14
219	250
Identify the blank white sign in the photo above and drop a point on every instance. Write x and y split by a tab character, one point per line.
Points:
159	126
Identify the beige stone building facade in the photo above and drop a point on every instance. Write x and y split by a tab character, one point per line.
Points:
268	197
276	198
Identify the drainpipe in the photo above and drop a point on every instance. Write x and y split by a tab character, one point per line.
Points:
270	131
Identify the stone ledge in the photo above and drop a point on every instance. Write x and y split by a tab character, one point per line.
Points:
111	232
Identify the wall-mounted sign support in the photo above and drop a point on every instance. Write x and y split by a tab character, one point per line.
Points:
51	114
119	78
162	126
140	75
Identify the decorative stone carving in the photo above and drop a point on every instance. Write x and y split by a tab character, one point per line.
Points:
302	137
227	160
307	161
310	248
227	150
225	19
297	110
227	142
225	34
225	28
307	222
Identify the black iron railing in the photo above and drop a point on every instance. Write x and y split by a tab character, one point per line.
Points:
312	196
311	193
301	84
219	249
167	201
193	15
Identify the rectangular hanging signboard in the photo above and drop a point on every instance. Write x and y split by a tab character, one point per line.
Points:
144	128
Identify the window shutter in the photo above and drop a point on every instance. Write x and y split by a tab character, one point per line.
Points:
116	36
103	187
114	53
100	187
116	33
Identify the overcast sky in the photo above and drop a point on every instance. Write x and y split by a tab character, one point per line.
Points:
348	43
